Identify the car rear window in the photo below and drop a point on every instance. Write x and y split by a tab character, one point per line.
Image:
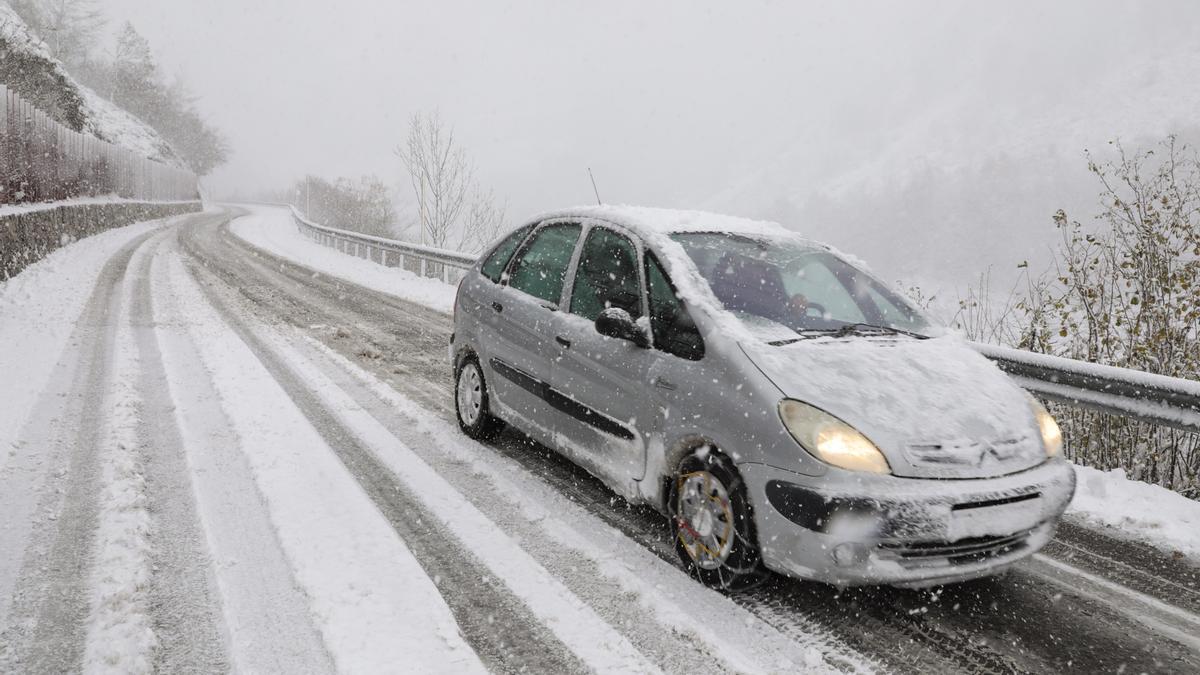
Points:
495	263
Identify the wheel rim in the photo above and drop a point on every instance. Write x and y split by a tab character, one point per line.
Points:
470	394
704	519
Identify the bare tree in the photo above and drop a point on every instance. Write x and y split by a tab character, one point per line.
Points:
440	175
449	200
483	221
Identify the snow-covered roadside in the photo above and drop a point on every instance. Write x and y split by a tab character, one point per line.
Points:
1148	513
38	310
120	635
373	603
271	229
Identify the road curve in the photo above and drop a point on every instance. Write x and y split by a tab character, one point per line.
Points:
1039	618
566	578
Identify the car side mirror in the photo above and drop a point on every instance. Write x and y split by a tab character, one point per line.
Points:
615	322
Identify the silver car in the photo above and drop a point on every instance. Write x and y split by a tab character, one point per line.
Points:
784	408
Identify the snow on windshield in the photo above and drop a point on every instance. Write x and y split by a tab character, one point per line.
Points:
778	288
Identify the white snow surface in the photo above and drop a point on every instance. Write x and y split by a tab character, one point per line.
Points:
38	309
271	228
1148	513
374	604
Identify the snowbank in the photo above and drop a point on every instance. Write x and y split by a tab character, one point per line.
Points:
1148	513
271	229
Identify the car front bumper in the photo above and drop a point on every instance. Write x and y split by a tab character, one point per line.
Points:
849	528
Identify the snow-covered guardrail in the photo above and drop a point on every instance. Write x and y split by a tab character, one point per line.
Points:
444	264
1157	399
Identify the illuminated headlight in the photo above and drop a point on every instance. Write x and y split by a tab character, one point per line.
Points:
1051	435
830	439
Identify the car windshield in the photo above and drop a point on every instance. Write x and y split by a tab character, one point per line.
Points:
784	290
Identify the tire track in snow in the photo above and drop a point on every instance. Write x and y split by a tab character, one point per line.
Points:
503	631
574	622
46	623
376	608
119	633
184	603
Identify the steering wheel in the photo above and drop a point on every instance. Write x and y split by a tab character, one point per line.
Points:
800	304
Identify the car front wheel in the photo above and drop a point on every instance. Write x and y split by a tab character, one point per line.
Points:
712	522
471	402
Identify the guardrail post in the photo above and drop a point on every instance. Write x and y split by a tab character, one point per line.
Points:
423	273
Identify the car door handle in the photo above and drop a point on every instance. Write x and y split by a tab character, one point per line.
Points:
562	341
663	383
498	307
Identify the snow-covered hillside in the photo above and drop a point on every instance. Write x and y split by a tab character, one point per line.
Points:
99	117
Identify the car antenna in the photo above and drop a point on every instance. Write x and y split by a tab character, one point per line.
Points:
594	187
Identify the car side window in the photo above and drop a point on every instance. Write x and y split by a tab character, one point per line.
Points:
540	268
607	276
498	259
674	330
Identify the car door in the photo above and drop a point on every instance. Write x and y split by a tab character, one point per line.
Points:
520	346
604	414
479	294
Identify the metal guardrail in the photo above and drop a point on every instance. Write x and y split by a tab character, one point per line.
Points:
1156	399
430	262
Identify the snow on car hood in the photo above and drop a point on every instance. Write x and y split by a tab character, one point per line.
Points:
935	407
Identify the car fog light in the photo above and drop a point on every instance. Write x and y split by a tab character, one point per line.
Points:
849	554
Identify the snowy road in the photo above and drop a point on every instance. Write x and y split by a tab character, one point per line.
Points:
238	462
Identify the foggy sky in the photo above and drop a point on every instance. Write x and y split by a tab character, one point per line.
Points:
780	109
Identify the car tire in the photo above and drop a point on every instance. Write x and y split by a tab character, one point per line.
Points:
471	402
713	524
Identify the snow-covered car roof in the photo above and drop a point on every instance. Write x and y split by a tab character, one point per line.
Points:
651	221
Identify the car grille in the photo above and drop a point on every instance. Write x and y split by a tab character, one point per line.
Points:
961	552
948	454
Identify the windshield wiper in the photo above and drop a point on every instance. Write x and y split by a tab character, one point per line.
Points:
861	328
843	331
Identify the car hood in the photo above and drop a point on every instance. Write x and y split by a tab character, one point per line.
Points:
935	407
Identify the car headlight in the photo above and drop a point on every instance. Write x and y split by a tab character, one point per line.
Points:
830	439
1052	439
